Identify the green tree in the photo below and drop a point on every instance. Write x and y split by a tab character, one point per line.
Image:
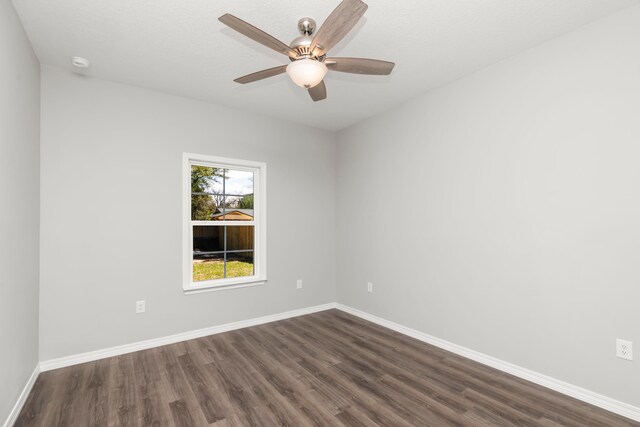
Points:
246	202
203	206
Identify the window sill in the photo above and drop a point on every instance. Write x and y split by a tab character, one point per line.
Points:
233	284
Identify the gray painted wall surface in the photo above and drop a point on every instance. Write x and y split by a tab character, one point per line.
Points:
111	213
502	212
19	208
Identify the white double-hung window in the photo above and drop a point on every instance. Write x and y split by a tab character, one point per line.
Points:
224	209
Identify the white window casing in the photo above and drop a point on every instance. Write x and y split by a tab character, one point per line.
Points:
259	277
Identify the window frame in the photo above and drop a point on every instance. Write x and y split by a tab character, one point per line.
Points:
259	170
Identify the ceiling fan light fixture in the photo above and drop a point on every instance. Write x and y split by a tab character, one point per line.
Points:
306	73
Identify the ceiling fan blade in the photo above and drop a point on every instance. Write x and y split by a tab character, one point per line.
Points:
256	34
360	66
263	74
337	25
318	92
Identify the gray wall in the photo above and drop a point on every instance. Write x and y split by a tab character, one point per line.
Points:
502	212
111	213
19	208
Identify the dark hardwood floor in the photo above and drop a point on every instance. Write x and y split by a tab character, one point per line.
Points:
328	369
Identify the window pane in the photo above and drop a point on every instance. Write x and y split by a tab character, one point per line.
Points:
204	207
206	179
237	208
239	264
239	237
208	267
238	182
207	239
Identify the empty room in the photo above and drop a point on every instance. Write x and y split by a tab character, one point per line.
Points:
303	213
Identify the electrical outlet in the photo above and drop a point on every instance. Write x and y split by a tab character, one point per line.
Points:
624	349
140	307
369	287
299	283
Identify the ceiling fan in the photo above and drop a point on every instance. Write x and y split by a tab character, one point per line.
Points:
308	52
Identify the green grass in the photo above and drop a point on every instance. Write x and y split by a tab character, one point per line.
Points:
211	270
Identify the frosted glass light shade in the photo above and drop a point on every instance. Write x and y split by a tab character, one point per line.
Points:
306	73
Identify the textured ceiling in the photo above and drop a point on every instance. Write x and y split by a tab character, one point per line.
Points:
179	47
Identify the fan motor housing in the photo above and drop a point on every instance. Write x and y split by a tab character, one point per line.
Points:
302	43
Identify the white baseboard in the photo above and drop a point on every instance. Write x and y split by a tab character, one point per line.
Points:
62	362
576	392
15	411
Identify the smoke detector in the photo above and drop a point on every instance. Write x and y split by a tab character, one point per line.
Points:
79	62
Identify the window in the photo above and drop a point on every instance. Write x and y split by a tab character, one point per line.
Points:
224	223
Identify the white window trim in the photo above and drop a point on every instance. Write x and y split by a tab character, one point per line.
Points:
260	224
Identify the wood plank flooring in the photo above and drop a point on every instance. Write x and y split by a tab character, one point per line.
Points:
323	369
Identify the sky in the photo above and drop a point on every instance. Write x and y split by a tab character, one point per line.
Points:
238	182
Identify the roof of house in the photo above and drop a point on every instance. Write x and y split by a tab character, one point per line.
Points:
248	212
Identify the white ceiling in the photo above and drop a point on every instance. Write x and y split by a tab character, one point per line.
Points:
180	47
